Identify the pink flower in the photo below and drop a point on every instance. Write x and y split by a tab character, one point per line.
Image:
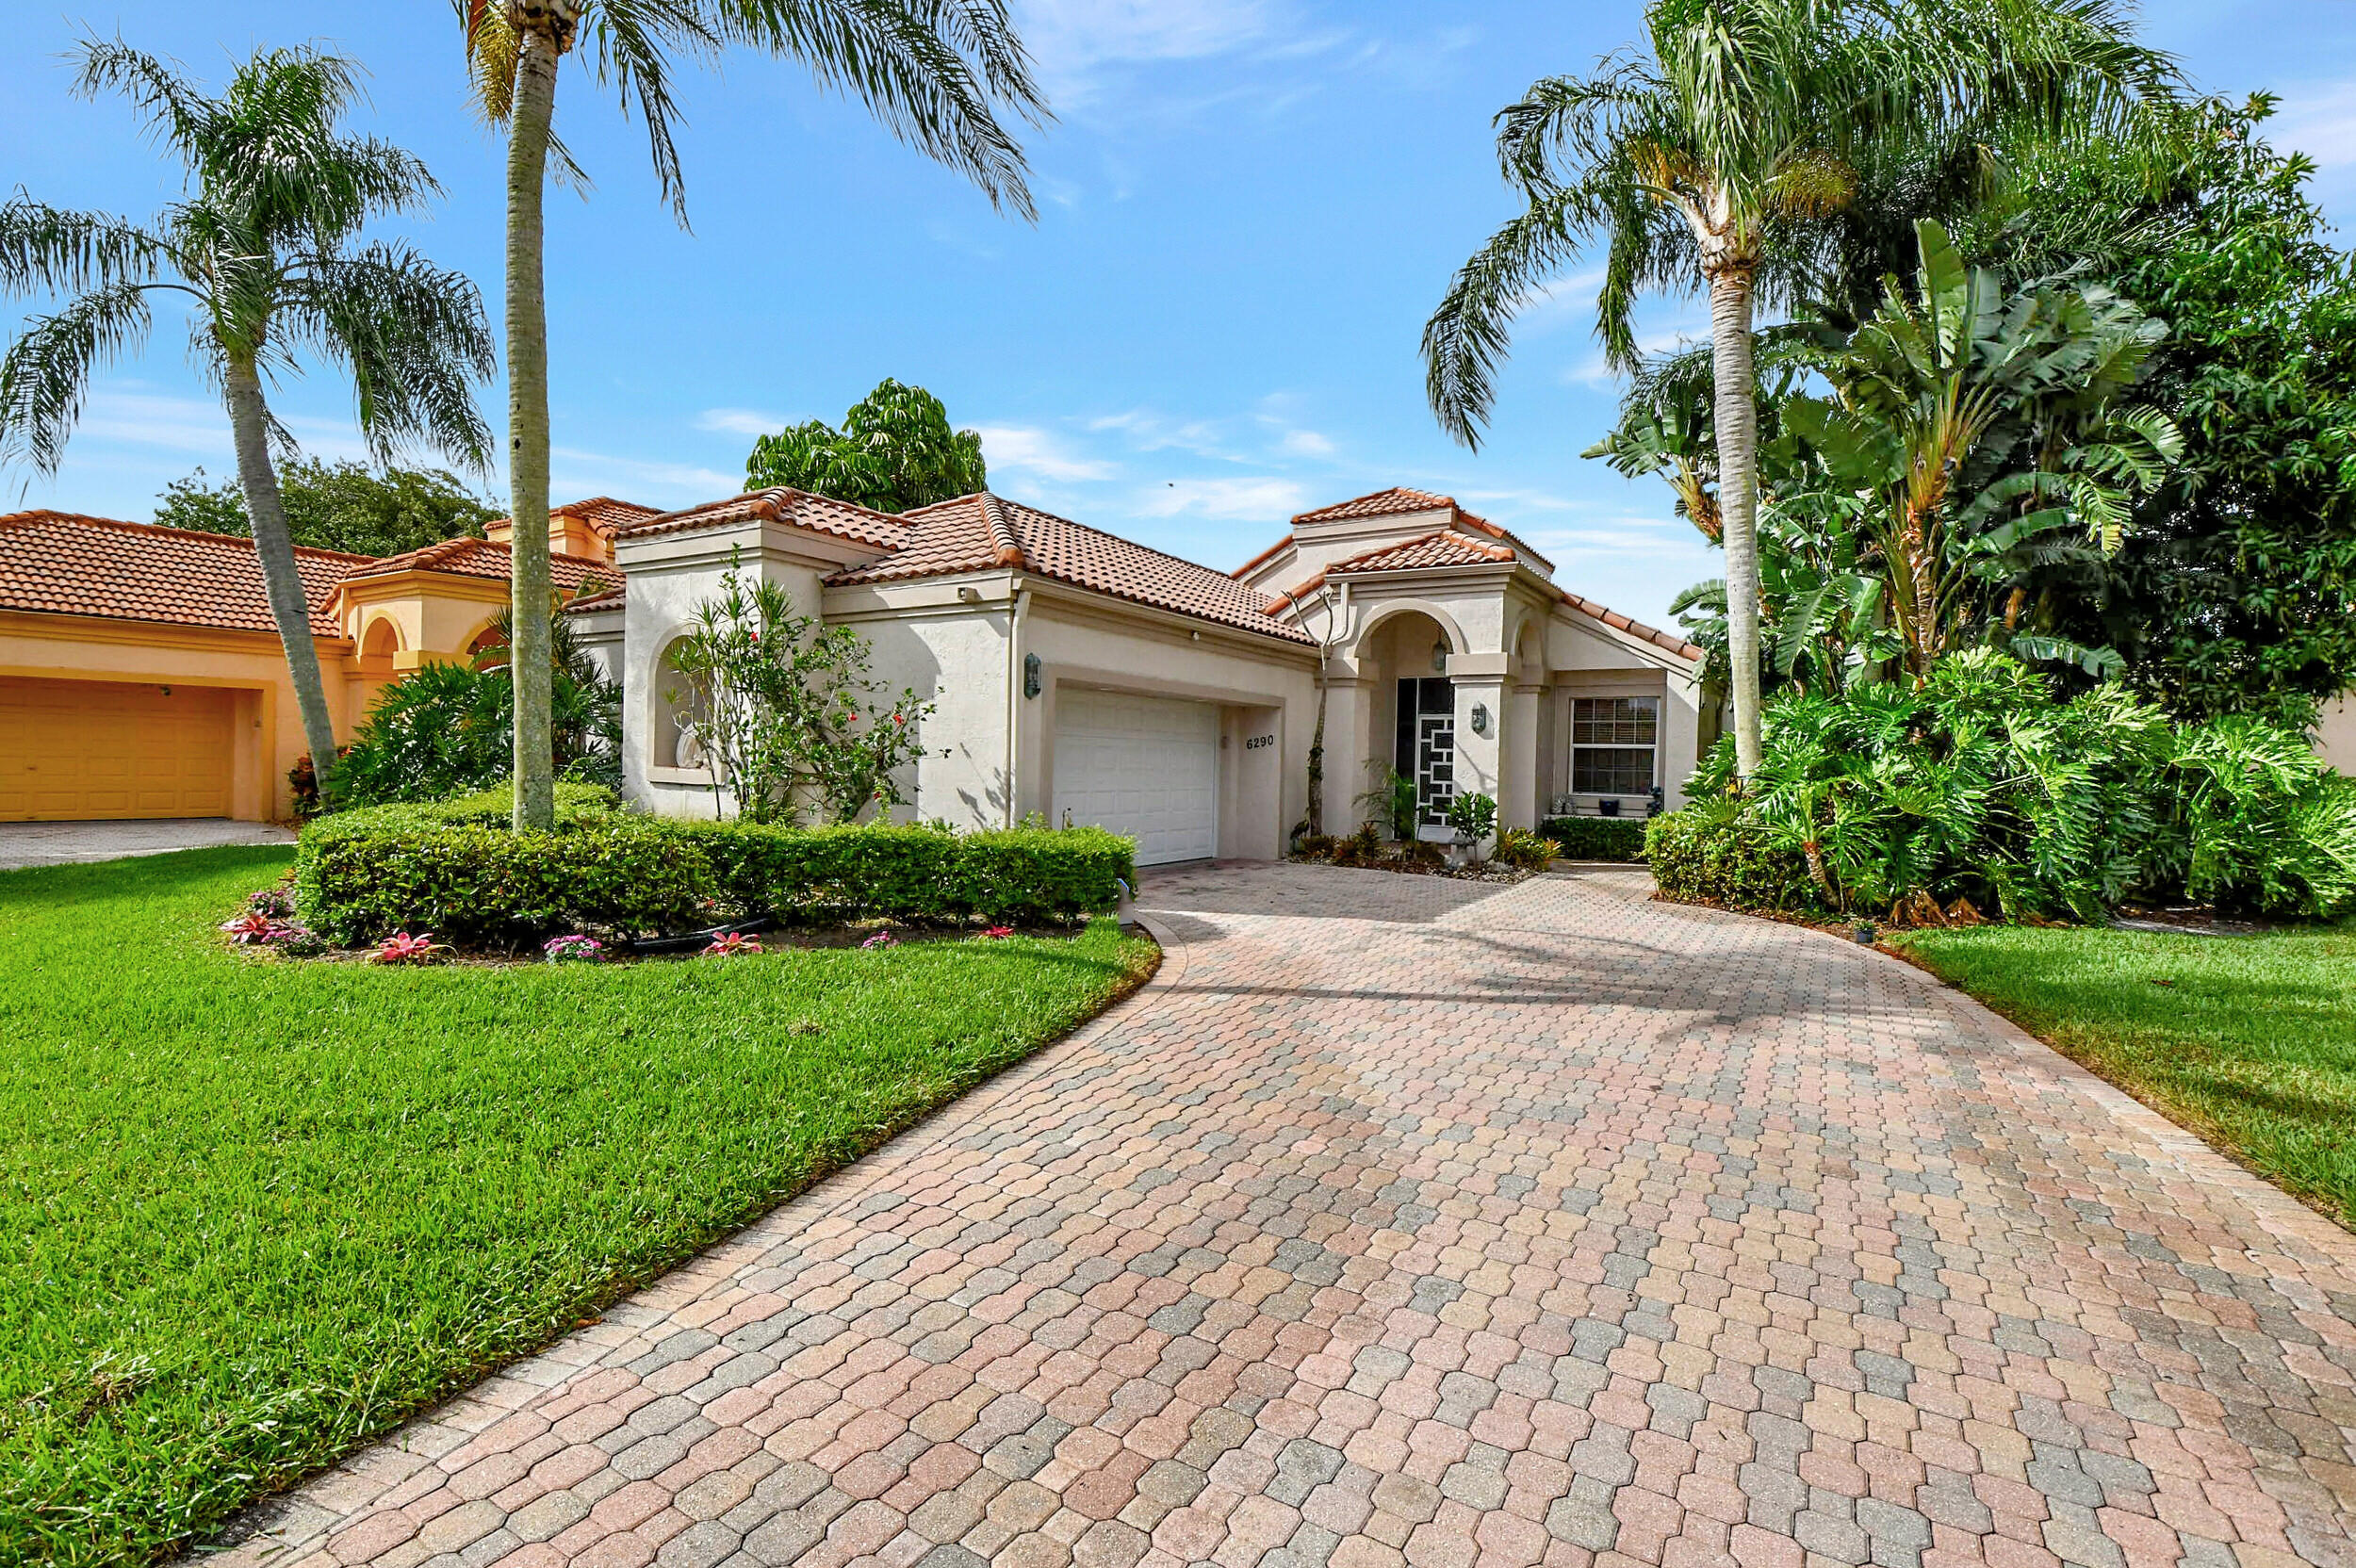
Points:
999	933
403	948
729	945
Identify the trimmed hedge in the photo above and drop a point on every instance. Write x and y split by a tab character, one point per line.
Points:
1699	857
457	870
1596	838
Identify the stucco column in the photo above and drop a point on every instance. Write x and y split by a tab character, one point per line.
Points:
1681	738
1517	799
1348	714
1480	706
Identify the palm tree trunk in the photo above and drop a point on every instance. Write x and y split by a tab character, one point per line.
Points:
1737	420
274	546
527	430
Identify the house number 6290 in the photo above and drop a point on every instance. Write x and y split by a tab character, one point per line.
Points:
1253	743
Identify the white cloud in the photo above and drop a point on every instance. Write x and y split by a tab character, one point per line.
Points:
131	415
1305	443
1030	450
1149	432
577	473
2319	120
740	421
1266	500
1072	40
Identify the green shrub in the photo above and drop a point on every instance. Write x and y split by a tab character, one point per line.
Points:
1520	847
485	885
1596	838
1702	854
454	868
1976	784
906	872
449	728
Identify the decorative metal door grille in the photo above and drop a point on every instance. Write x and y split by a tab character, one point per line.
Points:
1435	766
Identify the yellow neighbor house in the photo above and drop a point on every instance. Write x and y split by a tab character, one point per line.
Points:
141	673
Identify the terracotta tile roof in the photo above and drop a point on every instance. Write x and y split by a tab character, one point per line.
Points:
604	598
1383	504
1440	548
1396	501
821	513
976	532
1612	619
606	515
63	564
482	558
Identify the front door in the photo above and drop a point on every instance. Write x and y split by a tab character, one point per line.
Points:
1427	745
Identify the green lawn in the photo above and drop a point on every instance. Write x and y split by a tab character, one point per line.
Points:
252	1213
2249	1041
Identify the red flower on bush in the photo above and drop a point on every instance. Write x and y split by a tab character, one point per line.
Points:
403	948
729	945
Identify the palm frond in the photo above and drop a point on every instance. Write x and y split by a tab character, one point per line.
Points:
46	377
414	338
43	247
1467	336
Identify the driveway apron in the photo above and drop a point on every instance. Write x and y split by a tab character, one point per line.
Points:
1406	1219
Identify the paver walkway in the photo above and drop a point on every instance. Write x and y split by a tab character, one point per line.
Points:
57	843
1409	1218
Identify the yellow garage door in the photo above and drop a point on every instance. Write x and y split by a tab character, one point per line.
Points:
71	750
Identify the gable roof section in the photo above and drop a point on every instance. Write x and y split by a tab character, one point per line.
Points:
63	563
1381	503
821	513
1396	501
978	532
484	558
1440	548
606	515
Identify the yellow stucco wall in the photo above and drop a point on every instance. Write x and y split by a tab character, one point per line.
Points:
391	626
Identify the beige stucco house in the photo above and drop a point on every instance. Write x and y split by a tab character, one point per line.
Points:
1088	678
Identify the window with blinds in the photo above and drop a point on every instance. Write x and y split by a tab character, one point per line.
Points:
1613	743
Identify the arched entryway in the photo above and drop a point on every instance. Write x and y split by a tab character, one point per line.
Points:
1404	659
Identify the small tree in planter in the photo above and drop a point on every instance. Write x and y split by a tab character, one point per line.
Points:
786	711
1474	817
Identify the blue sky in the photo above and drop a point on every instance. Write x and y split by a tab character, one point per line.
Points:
1247	209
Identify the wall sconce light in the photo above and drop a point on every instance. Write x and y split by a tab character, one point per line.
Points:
1439	659
1481	718
1030	675
969	595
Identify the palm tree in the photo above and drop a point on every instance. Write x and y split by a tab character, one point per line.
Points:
262	249
1718	157
935	71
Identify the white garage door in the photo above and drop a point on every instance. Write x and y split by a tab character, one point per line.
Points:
1144	766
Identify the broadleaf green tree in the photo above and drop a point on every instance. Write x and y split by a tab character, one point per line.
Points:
937	74
339	506
894	452
1980	425
2236	589
263	250
1714	154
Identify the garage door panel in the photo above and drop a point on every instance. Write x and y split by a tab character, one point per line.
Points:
1144	766
74	750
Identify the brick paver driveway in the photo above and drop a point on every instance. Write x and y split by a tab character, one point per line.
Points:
1408	1218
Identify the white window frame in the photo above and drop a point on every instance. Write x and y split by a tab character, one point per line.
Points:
1654	703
